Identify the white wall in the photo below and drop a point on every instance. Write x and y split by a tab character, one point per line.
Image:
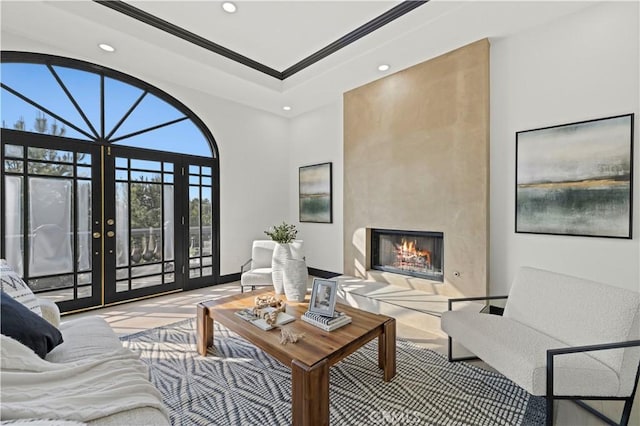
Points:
581	67
316	137
254	170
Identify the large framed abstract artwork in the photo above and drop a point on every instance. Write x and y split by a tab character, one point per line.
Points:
315	193
576	179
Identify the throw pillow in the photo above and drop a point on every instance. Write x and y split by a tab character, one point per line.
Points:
12	284
18	322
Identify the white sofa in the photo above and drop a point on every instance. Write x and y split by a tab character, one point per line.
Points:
545	339
89	344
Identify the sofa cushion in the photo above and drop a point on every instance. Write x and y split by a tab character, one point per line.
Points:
21	324
519	352
573	310
12	284
83	338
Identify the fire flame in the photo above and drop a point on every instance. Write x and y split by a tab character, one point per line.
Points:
408	253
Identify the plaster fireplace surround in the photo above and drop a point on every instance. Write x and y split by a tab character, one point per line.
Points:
416	157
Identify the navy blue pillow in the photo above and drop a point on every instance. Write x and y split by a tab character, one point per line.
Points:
18	322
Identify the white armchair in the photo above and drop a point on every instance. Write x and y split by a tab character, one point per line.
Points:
257	270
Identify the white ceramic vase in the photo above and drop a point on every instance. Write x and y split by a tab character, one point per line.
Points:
295	279
281	253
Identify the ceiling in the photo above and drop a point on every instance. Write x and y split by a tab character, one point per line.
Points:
275	34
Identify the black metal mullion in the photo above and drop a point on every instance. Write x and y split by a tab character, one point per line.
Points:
72	99
124	117
139	132
46	111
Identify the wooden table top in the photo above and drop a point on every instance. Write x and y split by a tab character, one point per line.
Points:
315	346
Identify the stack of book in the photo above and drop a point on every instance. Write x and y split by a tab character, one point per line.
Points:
326	323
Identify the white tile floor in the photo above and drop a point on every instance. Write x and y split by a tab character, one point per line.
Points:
140	315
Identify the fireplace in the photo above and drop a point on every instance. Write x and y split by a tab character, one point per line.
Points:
414	253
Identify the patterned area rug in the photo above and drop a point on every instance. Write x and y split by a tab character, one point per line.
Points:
238	384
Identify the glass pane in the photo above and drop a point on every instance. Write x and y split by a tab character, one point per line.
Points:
122	162
50	169
207	272
146	282
84	278
19	115
169	278
168	223
206	171
83	202
84	291
122	225
194	273
51	283
194	263
50	219
13	151
13	166
194	180
194	170
206	181
49	154
169	267
152	111
145	177
194	221
145	165
85	89
83	158
122	286
184	134
122	274
13	226
168	178
82	171
139	271
146	222
58	295
207	261
37	83
168	167
119	97
122	175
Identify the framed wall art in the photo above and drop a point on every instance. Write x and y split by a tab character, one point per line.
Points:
315	197
576	179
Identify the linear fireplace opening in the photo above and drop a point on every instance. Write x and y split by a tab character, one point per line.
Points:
413	253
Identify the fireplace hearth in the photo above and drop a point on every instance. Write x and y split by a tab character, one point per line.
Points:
414	253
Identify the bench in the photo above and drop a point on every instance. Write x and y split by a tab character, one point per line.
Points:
560	336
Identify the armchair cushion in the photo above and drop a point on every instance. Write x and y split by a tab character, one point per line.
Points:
259	276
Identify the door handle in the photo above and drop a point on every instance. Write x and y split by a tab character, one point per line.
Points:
97	235
110	234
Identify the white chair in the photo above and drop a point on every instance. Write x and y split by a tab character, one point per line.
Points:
257	270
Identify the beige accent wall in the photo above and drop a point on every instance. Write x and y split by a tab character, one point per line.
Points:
416	157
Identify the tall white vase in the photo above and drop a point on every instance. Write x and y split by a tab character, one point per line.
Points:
281	253
295	279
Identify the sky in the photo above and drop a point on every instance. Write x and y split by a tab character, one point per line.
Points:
37	83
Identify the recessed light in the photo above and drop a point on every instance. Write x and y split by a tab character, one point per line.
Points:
286	108
229	7
107	47
383	67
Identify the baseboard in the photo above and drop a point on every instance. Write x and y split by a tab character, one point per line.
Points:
322	274
229	278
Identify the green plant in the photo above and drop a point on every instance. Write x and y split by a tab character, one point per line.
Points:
283	234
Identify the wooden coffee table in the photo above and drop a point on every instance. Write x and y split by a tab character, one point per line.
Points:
310	358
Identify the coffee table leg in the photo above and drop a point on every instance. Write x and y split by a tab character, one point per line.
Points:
204	332
310	394
387	350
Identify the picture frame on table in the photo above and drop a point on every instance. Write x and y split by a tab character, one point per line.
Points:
323	297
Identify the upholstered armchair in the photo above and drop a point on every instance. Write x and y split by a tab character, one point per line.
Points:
257	270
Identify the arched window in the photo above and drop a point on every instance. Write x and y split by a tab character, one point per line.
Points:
74	99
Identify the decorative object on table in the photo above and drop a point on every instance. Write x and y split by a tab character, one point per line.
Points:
323	297
315	197
268	313
457	393
288	336
338	320
294	279
283	235
576	179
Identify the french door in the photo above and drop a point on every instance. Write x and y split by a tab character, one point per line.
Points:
88	225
